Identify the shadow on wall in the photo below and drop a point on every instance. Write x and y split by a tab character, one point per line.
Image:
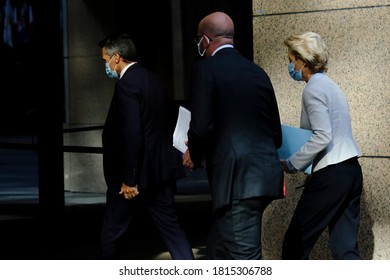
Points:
366	235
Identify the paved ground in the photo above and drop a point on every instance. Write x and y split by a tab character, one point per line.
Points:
26	234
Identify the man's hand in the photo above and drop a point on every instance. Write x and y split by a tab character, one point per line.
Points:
129	192
187	162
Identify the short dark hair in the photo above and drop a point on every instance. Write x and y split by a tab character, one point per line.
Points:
120	43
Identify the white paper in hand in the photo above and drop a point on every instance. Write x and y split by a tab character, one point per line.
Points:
181	129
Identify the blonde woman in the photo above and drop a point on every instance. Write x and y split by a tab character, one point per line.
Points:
332	197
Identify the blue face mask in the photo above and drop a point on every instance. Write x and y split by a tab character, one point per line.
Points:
111	73
296	75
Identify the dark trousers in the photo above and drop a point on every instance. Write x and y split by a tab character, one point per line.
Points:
331	199
236	231
160	205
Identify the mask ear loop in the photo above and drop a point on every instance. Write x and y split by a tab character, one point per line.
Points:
108	64
116	64
201	53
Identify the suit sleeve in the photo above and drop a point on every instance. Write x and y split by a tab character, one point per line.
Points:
131	132
276	126
201	124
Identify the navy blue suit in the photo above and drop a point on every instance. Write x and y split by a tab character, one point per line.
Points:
235	127
137	150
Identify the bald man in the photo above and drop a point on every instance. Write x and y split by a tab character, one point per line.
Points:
235	129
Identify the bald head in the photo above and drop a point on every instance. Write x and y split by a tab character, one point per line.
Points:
214	31
216	25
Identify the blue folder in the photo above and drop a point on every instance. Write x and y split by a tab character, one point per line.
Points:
293	139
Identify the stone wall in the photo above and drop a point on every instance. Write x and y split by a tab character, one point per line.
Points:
358	36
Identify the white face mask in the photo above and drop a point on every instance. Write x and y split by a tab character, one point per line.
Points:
201	53
111	73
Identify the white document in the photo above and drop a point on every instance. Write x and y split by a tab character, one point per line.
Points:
293	139
181	129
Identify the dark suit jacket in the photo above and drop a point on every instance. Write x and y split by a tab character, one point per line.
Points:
235	126
136	146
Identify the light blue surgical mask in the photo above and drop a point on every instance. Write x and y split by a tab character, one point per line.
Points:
296	75
111	73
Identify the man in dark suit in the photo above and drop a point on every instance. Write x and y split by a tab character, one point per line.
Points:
235	126
139	161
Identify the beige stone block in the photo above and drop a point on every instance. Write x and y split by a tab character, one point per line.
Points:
91	91
358	42
83	172
266	7
85	28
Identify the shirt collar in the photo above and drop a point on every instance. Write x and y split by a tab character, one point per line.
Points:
222	47
124	69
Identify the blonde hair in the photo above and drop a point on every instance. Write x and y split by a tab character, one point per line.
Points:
310	48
